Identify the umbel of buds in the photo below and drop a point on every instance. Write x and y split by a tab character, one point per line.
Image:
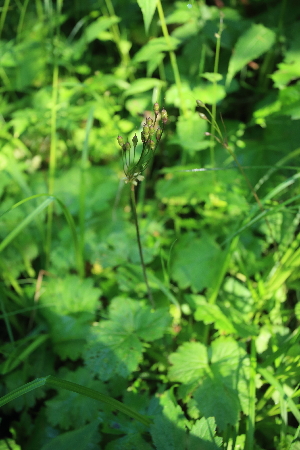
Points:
150	136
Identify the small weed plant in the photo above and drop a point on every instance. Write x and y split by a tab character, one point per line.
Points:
167	319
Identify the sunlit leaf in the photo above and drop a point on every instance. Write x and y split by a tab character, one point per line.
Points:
115	346
189	362
196	262
253	43
214	399
148	9
168	430
203	435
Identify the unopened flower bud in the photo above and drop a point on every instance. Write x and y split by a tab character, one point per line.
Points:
120	141
164	115
146	129
151	130
199	103
144	136
151	145
126	146
156	108
203	116
135	140
149	121
159	132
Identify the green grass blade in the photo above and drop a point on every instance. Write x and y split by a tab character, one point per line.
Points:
3	15
275	383
249	445
7	322
16	358
260	216
82	190
25	222
114	404
72	226
74	387
28	387
31	216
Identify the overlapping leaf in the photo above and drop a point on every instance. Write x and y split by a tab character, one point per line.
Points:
69	409
116	344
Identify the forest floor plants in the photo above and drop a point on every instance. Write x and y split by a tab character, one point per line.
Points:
215	364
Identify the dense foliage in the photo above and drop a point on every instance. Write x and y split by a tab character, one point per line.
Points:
212	361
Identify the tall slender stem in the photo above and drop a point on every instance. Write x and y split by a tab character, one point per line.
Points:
172	57
249	444
133	201
214	105
52	162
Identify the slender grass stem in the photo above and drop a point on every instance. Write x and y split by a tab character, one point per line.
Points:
214	105
22	17
136	221
3	15
6	320
53	145
123	51
82	189
172	57
249	444
52	162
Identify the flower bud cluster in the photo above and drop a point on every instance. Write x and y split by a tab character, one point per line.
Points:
150	136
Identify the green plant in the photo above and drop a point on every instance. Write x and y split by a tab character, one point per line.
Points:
134	167
215	364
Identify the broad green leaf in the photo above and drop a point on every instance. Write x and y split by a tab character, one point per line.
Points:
212	314
73	305
94	30
202	435
71	295
143	85
214	399
190	363
288	70
191	133
154	47
168	431
227	356
112	351
115	346
148	8
209	93
212	77
196	262
286	73
230	364
80	439
225	318
290	99
70	409
183	189
133	441
140	319
9	444
253	43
